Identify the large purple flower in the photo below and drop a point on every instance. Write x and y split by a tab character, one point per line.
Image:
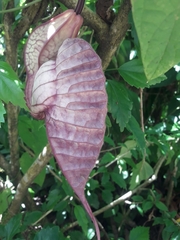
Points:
66	87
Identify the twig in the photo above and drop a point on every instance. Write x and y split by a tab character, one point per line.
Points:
47	213
111	149
55	175
115	160
26	149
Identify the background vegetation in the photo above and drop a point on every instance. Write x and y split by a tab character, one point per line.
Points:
134	188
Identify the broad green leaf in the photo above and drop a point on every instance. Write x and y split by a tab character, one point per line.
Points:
140	233
2	112
2	232
25	162
66	187
81	218
76	235
118	179
161	206
61	206
5	199
147	205
107	196
93	199
157	24
119	104
142	172
49	233
10	90
93	184
32	133
105	179
107	158
13	227
126	149
31	217
138	134
53	198
137	198
133	74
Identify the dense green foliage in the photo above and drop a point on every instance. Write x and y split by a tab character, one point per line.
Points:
134	188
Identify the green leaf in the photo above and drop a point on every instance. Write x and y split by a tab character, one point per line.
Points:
13	227
126	149
81	218
161	206
119	104
53	198
142	172
118	179
2	232
137	198
140	233
133	74
10	90
147	205
5	199
157	25
49	233
93	199
31	217
2	112
107	196
138	134
25	162
107	158
32	133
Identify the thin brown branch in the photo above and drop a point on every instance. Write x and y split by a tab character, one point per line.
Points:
109	42
108	37
12	111
27	179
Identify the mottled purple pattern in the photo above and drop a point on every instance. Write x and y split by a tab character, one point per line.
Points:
42	45
70	93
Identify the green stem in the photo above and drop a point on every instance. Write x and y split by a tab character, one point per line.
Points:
19	8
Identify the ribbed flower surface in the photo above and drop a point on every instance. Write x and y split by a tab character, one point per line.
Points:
68	91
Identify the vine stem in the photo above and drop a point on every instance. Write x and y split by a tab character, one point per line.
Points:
19	8
79	7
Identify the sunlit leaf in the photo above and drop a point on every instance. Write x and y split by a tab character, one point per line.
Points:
142	172
140	233
138	134
10	90
81	217
133	74
157	25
